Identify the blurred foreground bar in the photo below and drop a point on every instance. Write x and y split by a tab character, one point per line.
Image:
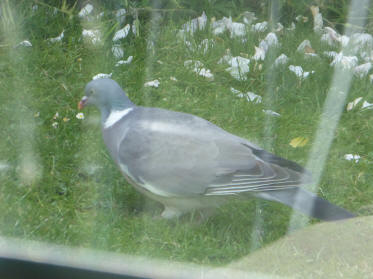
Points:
22	259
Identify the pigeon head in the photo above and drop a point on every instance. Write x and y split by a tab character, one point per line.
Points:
106	95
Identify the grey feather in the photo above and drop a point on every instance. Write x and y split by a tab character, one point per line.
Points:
188	163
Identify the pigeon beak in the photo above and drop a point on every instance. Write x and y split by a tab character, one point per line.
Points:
82	103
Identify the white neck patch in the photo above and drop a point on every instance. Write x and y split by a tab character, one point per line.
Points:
115	116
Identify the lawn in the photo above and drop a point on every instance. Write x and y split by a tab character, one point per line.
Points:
58	183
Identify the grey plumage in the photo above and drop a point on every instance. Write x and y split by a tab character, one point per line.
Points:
187	163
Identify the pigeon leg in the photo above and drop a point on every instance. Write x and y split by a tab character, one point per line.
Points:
171	213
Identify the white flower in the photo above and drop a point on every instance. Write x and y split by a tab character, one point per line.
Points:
173	78
80	116
55	125
56	115
122	33
154	83
281	60
350	157
86	10
102	76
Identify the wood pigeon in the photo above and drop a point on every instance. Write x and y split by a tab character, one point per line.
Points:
187	163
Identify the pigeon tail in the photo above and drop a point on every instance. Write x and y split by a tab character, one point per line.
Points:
308	203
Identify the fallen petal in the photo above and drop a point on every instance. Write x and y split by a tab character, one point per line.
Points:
117	51
86	10
298	142
252	97
102	76
24	43
122	33
303	45
121	62
353	104
271	112
57	39
93	35
121	15
350	157
366	105
154	83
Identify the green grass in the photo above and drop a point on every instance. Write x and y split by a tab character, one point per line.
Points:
75	195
